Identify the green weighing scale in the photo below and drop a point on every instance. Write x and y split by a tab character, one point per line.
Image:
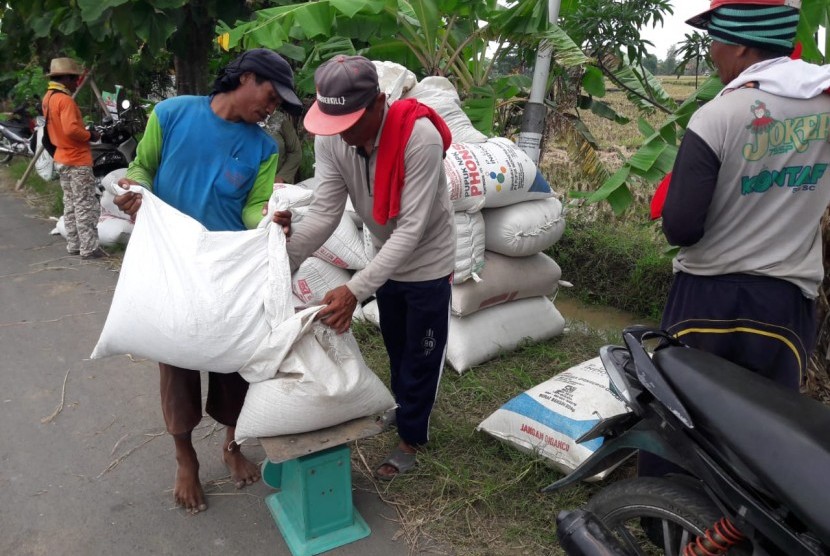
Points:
312	473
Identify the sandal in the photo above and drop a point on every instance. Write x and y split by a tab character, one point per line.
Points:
400	460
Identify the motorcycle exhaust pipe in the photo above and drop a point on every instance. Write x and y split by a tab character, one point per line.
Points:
581	533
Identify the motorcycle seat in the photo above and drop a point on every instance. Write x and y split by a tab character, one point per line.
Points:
781	436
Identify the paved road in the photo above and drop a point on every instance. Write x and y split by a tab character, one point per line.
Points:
96	478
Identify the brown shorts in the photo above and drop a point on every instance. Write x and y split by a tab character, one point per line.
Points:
181	398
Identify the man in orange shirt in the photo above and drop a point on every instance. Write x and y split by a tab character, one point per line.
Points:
73	159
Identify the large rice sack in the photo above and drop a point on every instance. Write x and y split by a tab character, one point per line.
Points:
440	94
547	419
497	169
321	381
524	228
481	336
469	246
505	279
193	298
315	278
394	79
344	248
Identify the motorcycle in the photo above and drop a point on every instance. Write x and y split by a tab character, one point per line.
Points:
116	148
118	143
16	134
752	460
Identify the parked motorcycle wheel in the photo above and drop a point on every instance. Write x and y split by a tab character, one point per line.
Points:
5	157
675	514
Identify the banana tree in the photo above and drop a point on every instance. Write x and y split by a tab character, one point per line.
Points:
655	158
451	38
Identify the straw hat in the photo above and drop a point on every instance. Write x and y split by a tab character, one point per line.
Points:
64	66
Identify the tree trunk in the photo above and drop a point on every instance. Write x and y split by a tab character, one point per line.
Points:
191	48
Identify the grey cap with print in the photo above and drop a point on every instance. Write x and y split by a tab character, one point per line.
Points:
346	85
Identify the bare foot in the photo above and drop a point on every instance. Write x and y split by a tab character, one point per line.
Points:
188	491
243	471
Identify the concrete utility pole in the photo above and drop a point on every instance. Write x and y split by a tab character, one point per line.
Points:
533	122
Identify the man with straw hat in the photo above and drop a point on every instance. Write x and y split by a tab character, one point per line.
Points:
748	190
73	159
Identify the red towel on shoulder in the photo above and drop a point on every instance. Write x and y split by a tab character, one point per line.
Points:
390	170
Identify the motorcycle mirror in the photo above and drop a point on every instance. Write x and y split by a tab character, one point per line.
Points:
125	104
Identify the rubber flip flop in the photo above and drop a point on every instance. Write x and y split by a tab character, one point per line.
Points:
400	460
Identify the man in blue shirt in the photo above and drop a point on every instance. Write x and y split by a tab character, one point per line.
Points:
209	158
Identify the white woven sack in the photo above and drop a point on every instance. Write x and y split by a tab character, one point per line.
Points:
439	94
113	230
193	298
481	336
294	195
345	246
469	246
315	278
498	169
547	419
506	279
321	382
394	79
524	228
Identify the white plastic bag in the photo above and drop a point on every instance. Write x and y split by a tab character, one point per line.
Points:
548	418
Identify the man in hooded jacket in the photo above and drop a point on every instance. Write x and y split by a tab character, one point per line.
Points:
748	190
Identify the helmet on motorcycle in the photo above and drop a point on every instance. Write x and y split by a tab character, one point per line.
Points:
64	66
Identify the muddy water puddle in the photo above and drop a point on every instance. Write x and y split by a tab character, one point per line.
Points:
597	317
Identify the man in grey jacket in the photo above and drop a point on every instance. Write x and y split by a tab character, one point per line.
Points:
411	272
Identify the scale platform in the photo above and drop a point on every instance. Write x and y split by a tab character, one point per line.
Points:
312	474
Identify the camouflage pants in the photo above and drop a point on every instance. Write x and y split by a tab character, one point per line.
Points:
81	208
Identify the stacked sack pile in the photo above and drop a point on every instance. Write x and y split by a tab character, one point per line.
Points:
506	215
114	226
